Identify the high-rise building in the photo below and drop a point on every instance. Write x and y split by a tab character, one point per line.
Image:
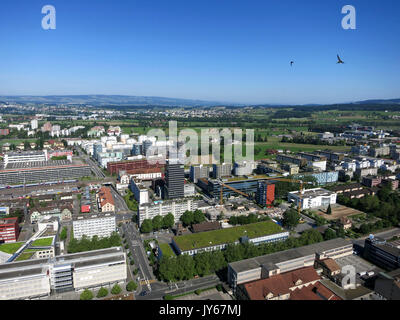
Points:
222	170
197	172
174	179
265	193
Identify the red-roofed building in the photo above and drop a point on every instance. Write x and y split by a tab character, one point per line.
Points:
105	200
300	284
9	229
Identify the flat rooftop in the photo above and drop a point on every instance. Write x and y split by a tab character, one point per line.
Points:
295	253
222	236
35	267
312	193
92	216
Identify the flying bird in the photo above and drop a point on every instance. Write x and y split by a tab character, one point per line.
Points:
291	63
339	60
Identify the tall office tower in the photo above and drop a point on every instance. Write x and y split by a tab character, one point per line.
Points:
174	179
198	172
146	146
265	193
222	170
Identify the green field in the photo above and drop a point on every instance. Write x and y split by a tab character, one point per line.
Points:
167	250
10	248
45	242
229	235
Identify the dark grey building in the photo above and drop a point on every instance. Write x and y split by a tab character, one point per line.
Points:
174	179
381	253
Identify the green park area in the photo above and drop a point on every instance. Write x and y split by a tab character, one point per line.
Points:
229	235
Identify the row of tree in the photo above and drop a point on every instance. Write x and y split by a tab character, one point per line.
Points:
251	218
192	217
157	223
185	267
94	243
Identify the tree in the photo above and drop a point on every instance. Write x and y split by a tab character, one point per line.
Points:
291	218
329	211
103	292
198	216
168	221
116	289
157	223
131	286
329	234
86	295
187	218
341	233
311	236
147	226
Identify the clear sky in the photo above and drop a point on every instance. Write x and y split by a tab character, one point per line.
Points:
225	50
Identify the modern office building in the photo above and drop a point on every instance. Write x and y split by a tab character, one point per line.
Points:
264	266
174	179
381	253
197	172
265	193
9	230
39	278
101	225
222	170
311	198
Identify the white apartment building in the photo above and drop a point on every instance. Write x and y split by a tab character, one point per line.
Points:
312	198
162	208
94	225
34	124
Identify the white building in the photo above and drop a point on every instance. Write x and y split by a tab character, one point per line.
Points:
25	156
32	279
321	165
162	208
312	198
244	168
34	124
94	225
139	191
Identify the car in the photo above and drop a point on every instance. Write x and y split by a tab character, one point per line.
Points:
143	293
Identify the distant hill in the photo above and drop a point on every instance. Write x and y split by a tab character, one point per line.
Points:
379	101
108	100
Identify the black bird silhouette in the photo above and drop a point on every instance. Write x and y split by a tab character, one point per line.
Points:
339	60
291	63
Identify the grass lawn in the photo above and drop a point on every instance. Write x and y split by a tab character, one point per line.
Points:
167	250
229	235
24	256
10	248
45	242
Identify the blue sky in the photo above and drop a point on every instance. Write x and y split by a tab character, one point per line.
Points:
225	50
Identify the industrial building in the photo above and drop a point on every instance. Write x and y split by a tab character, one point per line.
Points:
45	171
261	267
39	278
134	166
